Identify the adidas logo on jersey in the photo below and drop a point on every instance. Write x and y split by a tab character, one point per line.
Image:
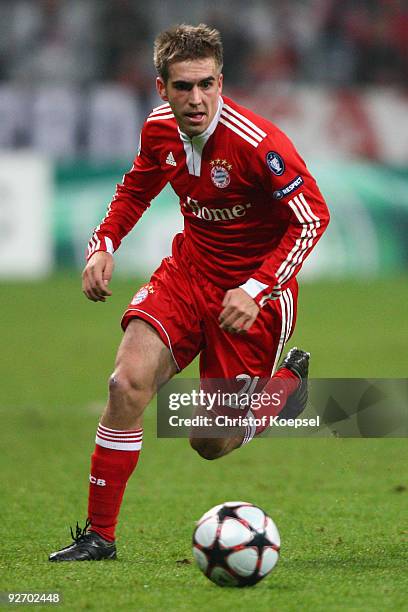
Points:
170	160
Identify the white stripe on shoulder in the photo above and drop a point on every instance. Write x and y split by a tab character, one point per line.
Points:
241	125
162	111
156	117
232	127
245	120
165	105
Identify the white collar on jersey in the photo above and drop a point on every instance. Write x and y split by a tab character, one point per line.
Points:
194	146
201	139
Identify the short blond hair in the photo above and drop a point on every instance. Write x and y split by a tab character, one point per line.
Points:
186	42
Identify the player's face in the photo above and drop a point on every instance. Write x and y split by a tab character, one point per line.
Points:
192	90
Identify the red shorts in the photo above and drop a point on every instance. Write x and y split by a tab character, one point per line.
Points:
183	306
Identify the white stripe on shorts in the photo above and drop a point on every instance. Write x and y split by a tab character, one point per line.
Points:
286	302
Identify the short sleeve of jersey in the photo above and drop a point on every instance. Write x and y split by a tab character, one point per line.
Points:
293	192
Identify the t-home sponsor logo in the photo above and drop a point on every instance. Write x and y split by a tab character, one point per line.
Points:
216	214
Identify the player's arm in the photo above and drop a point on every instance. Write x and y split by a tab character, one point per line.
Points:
295	196
132	197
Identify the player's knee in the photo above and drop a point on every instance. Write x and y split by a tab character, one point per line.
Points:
208	448
129	387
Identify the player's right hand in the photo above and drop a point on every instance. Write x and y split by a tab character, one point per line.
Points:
97	275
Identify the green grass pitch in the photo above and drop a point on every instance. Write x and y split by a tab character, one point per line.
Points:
341	505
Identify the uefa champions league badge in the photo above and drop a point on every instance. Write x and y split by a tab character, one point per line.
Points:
275	163
142	294
220	173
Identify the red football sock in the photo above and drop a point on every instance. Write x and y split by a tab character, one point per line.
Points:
113	461
278	388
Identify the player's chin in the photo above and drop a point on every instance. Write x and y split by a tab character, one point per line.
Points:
192	127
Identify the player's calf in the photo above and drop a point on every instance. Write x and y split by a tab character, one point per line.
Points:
213	441
214	448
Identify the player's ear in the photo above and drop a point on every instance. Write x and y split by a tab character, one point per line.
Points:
220	82
161	89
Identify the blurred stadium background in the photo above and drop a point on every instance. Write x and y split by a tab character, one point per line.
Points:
76	80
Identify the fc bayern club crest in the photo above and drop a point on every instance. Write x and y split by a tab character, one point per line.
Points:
142	294
220	173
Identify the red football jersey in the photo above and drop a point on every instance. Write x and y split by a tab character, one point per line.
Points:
252	211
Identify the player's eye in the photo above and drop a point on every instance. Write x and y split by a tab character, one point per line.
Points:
206	84
182	86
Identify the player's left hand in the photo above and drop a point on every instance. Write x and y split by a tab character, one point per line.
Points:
239	312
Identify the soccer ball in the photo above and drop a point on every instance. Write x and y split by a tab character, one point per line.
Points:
236	544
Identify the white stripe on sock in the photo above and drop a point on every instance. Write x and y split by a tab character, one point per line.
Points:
120	439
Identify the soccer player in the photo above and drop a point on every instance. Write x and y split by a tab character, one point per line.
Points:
252	214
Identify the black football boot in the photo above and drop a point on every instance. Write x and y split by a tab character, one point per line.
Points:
297	361
87	546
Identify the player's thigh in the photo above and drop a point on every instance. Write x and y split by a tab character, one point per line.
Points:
143	360
167	303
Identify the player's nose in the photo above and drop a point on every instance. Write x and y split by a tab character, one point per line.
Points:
195	96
